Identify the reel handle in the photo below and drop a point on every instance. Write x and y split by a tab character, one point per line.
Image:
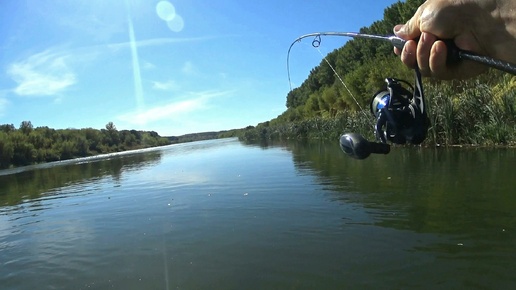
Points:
358	147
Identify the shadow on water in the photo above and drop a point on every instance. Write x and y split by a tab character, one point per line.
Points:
46	180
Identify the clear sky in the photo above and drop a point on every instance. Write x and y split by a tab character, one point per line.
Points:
174	67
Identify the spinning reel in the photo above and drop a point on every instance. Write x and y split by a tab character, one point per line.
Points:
400	114
401	118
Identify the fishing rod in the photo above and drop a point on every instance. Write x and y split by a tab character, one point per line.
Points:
399	108
454	53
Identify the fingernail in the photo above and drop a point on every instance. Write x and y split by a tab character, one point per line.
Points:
398	28
407	50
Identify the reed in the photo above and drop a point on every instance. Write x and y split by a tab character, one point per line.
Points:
460	112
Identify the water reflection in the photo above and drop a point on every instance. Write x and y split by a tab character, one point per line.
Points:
460	202
219	215
47	181
425	190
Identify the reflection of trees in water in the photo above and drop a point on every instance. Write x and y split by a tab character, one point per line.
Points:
424	190
32	184
266	144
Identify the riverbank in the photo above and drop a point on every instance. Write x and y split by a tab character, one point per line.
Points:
28	145
465	113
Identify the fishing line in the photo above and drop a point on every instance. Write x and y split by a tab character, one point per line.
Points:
316	43
400	113
340	79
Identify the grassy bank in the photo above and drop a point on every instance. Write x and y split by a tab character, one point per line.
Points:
472	112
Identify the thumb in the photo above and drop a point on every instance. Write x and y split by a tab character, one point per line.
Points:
410	30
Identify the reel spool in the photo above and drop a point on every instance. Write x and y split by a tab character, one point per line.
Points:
400	115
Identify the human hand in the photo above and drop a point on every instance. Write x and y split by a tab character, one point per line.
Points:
483	27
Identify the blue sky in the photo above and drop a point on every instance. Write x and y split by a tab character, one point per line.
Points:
174	67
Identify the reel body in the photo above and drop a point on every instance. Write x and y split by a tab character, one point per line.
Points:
401	118
400	115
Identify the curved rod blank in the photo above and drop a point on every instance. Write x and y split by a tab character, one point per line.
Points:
455	54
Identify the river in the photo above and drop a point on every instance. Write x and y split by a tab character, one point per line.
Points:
222	214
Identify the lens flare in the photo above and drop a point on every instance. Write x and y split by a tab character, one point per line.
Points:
176	24
138	89
166	10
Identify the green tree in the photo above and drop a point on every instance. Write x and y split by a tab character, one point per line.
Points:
26	127
6	150
111	136
7	128
23	151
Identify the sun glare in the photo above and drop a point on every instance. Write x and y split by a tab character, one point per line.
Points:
176	24
167	12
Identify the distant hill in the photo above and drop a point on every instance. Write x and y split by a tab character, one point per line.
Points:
203	136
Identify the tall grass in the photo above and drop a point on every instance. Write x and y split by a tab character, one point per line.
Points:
470	113
460	112
314	128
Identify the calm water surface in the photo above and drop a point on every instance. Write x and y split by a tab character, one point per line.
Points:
225	215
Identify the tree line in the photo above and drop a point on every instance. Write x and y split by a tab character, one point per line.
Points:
192	137
27	145
476	111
